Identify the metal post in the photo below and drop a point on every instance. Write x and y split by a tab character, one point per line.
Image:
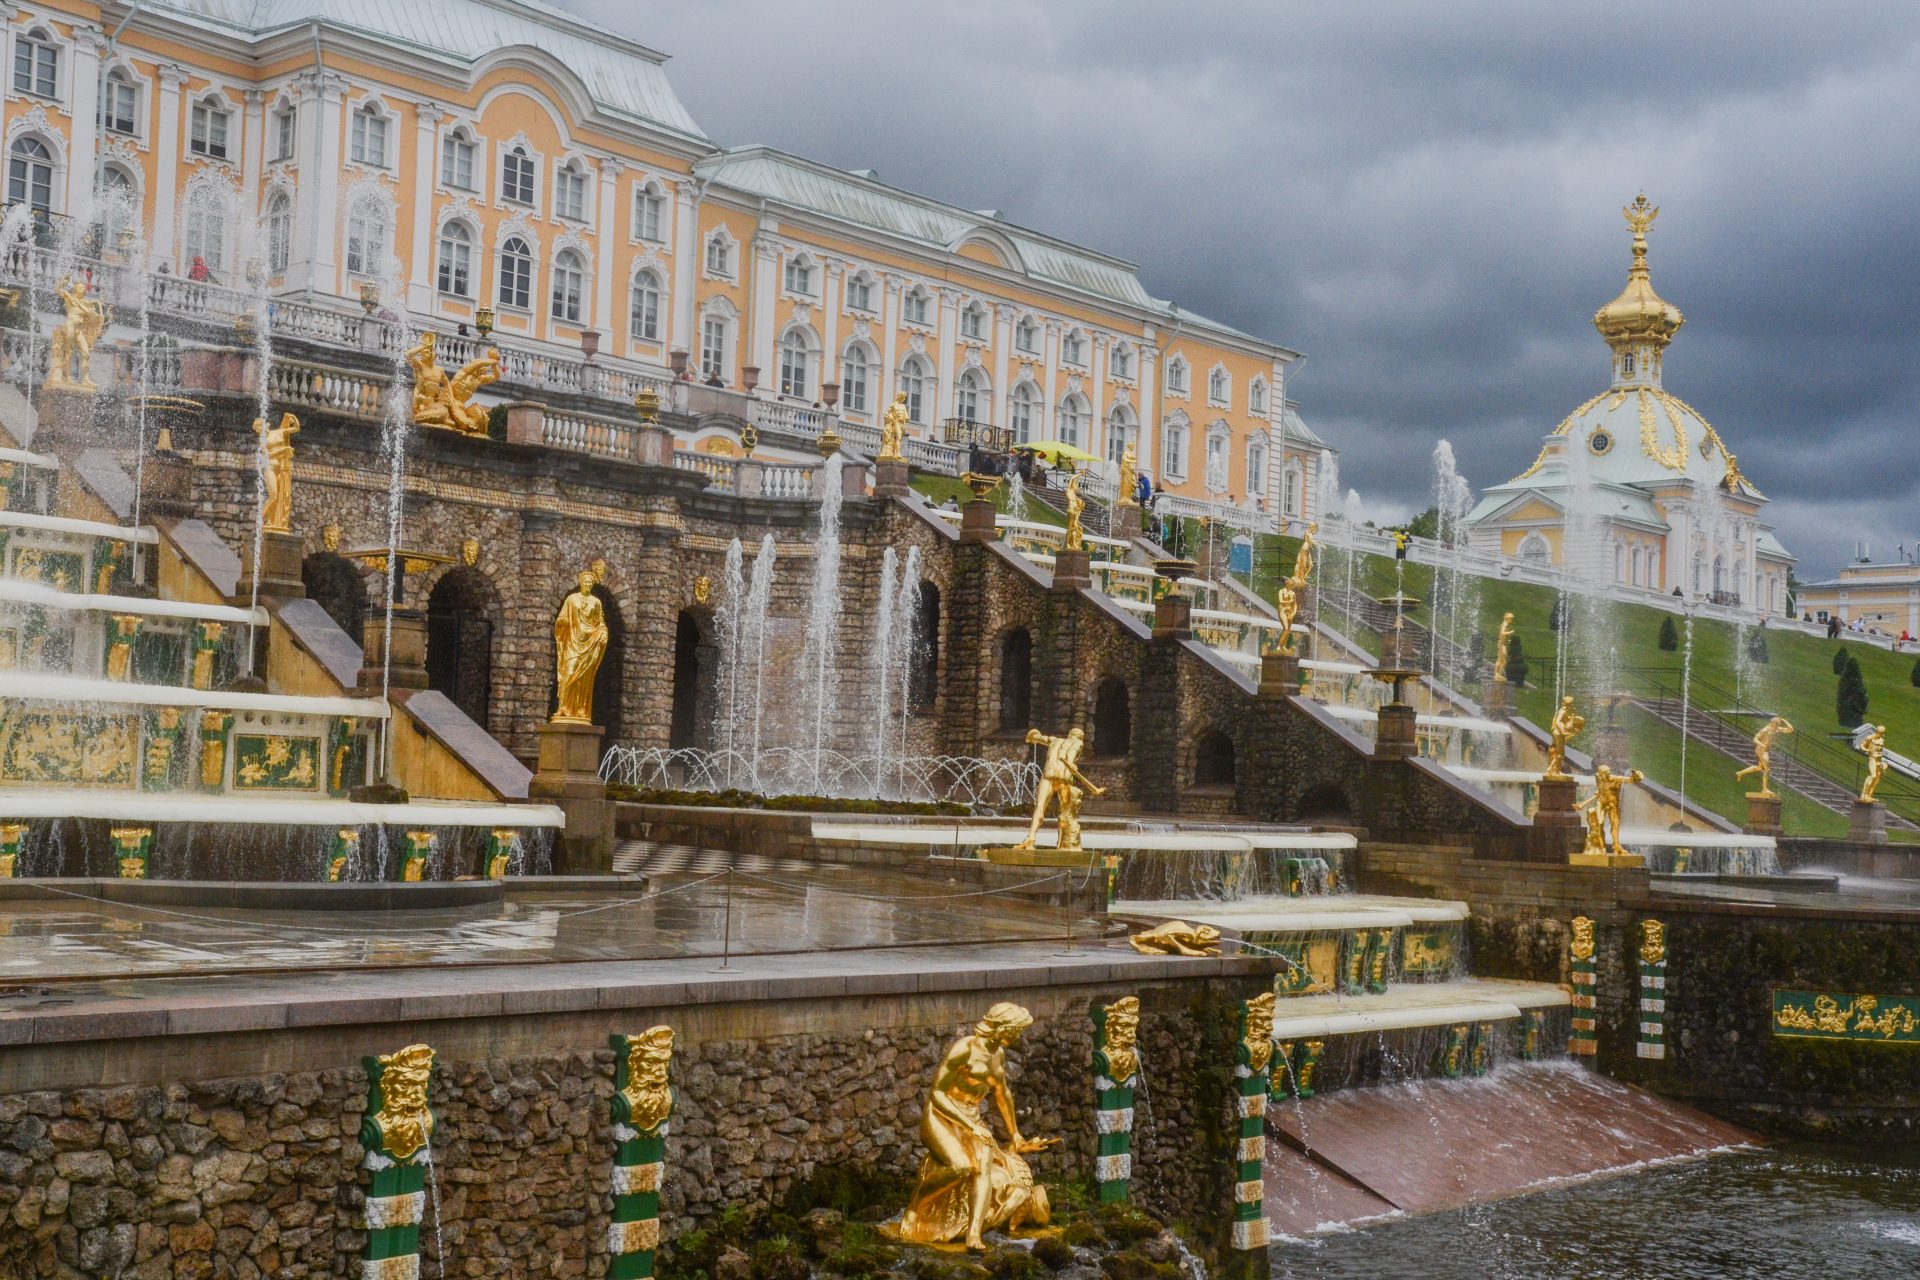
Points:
726	928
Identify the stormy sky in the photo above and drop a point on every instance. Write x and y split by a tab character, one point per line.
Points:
1423	197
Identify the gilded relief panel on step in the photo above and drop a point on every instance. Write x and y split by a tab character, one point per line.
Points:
275	762
66	749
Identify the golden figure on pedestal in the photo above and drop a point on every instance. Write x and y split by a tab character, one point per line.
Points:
649	1098
969	1183
1500	646
1288	603
1875	745
1603	809
1653	941
1129	477
1119	1038
1566	726
276	476
1763	756
1076	536
1303	558
893	429
440	401
1060	778
73	339
404	1122
579	642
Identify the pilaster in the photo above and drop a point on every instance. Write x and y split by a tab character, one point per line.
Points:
166	163
427	116
83	146
608	233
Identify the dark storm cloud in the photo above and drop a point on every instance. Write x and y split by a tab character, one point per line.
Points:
1423	197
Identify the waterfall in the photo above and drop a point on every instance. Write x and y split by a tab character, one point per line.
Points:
885	624
906	647
727	620
819	662
753	645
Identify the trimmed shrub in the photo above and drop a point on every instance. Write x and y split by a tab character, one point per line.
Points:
1669	635
1840	661
1850	701
1516	661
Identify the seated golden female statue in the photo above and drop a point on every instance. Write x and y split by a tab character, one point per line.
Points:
969	1183
73	339
440	401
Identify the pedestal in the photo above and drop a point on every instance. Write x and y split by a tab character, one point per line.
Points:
569	776
1869	823
166	485
1173	617
408	660
1498	703
976	524
1397	736
1397	649
1072	571
892	478
278	570
1557	830
1279	675
1763	814
67	423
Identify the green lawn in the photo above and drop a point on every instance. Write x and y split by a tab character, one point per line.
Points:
939	488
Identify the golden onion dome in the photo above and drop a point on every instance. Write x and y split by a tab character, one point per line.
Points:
1639	315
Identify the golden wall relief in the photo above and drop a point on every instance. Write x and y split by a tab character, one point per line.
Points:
275	762
1825	1015
68	749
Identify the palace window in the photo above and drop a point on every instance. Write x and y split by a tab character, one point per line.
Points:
1120	362
1256	468
1219	443
1290	492
854	375
279	233
284	133
516	274
119	103
120	206
916	309
456	161
516	177
366	244
643	316
207	237
916	380
1218	387
966	395
1020	412
1626	365
369	137
1174	463
454	274
799	276
570	194
973	322
30	174
1026	335
36	64
793	364
1073	349
713	348
1073	420
719	256
1177	376
569	286
649	214
208	136
1256	396
859	293
1120	431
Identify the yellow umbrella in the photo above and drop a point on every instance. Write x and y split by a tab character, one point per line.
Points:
1056	453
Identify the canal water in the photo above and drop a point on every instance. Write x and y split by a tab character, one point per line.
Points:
1778	1213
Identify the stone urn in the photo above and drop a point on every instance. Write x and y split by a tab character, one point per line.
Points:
677	361
589	343
749	377
830	394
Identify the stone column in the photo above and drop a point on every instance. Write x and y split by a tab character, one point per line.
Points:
523	665
966	666
1155	758
889	341
684	335
83	144
949	325
569	776
427	116
166	164
763	297
652	623
608	234
1556	823
325	105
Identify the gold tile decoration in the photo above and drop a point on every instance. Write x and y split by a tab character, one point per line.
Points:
275	762
68	749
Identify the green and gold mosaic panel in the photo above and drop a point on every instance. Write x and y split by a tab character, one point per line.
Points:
1426	952
68	749
1830	1015
61	570
275	762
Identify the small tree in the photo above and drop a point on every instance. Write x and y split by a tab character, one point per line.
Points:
1915	677
1757	647
1559	615
1851	698
1840	661
1669	634
1516	661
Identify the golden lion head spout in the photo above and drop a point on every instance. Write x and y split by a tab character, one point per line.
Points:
404	1122
649	1097
1259	1033
1653	941
1120	1034
1582	938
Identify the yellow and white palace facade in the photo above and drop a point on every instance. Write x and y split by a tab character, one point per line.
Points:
440	159
1635	489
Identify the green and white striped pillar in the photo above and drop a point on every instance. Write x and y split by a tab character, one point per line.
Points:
1116	1072
11	836
1533	1034
503	843
1253	1078
1652	1041
420	847
346	844
1585	1039
396	1133
642	1105
132	851
1453	1055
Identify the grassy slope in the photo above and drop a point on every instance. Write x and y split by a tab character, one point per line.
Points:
939	488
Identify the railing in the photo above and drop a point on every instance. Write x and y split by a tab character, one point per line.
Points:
198	299
719	471
335	391
786	482
965	432
1231	514
583	434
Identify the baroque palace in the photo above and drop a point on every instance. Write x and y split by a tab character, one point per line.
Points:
502	167
1634	488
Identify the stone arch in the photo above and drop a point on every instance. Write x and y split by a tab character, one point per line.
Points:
1214	759
924	679
693	667
1112	718
462	615
336	584
1016	680
1326	802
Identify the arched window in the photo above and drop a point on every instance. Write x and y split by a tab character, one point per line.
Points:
1016	681
1021	412
279	232
1213	763
366	240
856	373
1120	361
650	214
516	176
454	273
1112	719
643	312
369	142
457	160
1177	376
569	286
460	621
1174	462
860	292
714	365
206	238
1073	419
516	274
916	379
30	174
1122	430
1638	571
966	394
1257	396
1256	467
1535	549
719	254
36	64
285	118
924	680
692	664
120	203
570	192
917	306
796	355
799	275
1290	497
1026	335
1719	574
119	103
973	322
1219	387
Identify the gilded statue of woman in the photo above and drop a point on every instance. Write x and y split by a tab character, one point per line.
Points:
430	391
1288	603
1566	726
1129	477
1076	536
1501	644
969	1183
276	499
893	429
579	642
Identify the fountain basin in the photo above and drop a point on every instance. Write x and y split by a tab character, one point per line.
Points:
114	806
1403	1007
1472	724
37	686
1320	914
15	591
81	528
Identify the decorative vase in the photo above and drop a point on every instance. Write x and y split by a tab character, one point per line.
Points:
677	361
749	377
830	393
590	343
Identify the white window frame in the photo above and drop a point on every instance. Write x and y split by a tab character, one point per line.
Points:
793	356
286	132
916	308
721	242
370	136
1120	359
42	49
970	391
211	114
572	179
1256	461
1175	447
865	283
453	274
49	157
519	160
1178	372
797	278
371	233
1073	349
716	343
1075	418
198	220
650	222
456	143
974	322
569	308
1027	335
916	378
279	224
1219	387
525	276
1123	428
1257	402
639	320
856	394
1023	416
119	79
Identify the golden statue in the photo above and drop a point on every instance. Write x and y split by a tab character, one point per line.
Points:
1076	536
1303	558
276	476
1501	644
440	401
1603	809
1177	938
73	339
1763	755
893	430
1653	941
1129	476
1259	1033
1875	745
579	642
1288	602
1060	776
404	1122
649	1099
1582	944
969	1183
1566	726
1120	1033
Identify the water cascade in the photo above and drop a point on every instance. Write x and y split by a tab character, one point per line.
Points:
727	621
819	663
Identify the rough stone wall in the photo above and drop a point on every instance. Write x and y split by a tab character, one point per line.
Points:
260	1176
